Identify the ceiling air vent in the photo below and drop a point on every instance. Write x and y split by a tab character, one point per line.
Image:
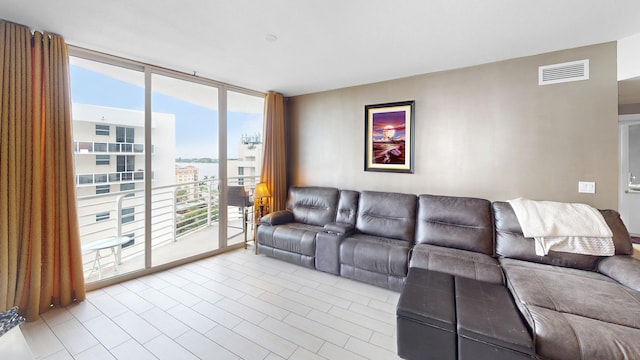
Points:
565	72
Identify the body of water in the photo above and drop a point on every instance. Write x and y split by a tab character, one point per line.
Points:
204	169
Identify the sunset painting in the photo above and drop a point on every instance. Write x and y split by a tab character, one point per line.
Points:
388	137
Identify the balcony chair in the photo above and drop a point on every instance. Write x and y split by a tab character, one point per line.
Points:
237	196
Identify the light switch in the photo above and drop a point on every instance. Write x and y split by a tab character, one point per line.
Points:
588	187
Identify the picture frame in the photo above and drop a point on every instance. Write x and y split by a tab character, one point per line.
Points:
389	137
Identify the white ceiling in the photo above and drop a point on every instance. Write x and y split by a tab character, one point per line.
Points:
325	44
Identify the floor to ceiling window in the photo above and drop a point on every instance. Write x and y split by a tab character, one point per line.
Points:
185	166
149	154
244	162
108	131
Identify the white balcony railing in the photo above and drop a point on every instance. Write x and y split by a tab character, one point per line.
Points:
177	212
96	147
109	178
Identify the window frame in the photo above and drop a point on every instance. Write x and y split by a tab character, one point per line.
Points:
103	160
149	174
128	214
103	216
105	130
100	189
125	163
128	135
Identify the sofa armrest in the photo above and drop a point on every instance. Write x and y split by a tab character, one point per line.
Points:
277	218
622	268
328	251
338	228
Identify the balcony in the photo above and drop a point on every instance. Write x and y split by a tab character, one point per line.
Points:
106	148
184	223
109	178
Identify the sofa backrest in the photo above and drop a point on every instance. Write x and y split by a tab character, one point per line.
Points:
347	207
511	243
386	214
456	222
313	205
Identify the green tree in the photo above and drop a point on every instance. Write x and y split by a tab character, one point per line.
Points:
181	195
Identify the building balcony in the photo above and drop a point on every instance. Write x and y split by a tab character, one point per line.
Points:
106	148
109	178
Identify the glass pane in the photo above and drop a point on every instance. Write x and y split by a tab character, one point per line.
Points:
100	178
100	147
185	169
244	162
106	97
85	179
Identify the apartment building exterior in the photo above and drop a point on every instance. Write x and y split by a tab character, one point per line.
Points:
187	175
109	154
249	163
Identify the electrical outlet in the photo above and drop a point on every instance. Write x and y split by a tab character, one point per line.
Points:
588	187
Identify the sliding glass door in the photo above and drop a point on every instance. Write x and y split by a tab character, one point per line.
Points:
109	150
184	166
244	162
157	162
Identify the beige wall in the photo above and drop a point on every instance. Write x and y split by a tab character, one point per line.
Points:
486	131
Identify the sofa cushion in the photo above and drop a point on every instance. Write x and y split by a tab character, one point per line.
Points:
455	222
567	336
621	238
313	205
575	313
293	237
376	254
458	262
624	269
277	218
511	243
572	291
347	207
388	215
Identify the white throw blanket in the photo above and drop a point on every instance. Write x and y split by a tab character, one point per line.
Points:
574	228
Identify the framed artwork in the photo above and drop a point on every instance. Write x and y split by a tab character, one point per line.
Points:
389	137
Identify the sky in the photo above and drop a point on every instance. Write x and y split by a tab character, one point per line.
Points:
196	126
394	120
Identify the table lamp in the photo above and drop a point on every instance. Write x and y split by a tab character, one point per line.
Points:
260	193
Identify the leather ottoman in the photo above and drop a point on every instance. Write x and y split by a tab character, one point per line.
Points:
426	319
489	325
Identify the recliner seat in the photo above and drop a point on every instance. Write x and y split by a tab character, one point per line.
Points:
290	234
454	235
378	251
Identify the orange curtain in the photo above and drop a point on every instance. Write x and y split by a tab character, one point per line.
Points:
40	255
274	160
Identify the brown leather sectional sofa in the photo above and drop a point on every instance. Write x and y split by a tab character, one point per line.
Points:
471	284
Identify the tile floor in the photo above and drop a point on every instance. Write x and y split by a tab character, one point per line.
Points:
233	306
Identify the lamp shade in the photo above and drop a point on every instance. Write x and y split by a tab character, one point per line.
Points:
261	191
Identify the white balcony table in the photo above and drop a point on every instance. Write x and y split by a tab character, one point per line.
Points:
114	243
